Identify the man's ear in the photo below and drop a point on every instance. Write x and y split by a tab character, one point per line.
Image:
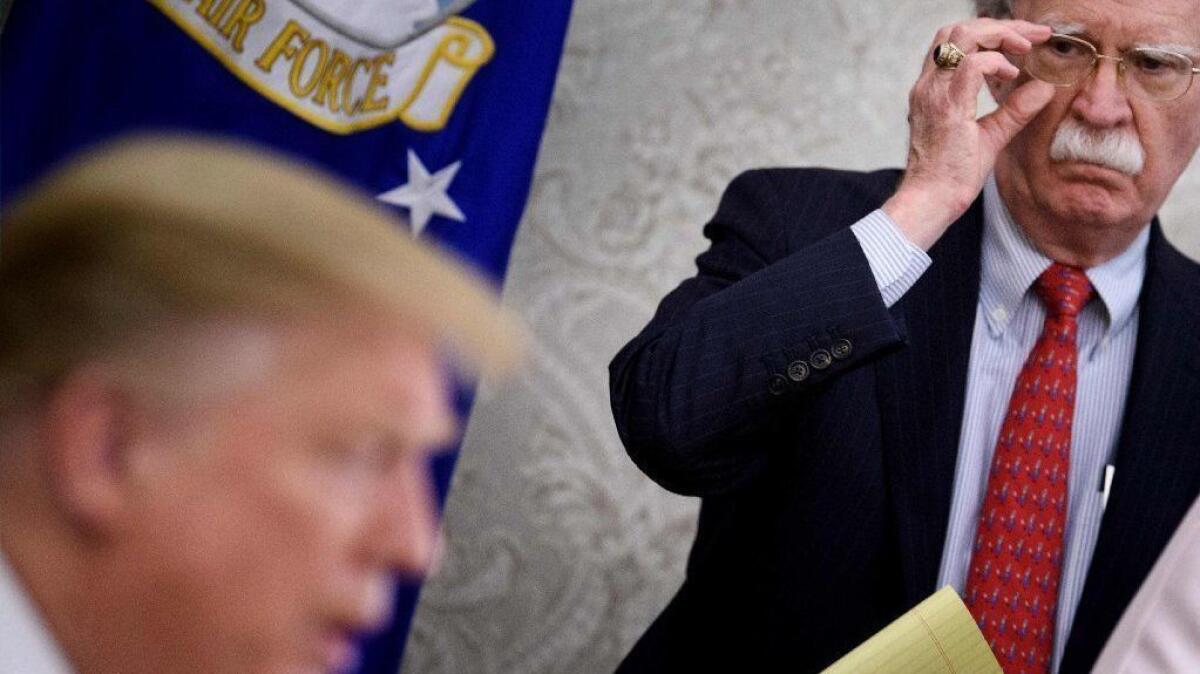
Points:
87	431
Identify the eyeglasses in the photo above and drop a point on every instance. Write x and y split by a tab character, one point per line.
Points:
1150	73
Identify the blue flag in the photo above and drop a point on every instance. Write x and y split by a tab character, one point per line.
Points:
434	106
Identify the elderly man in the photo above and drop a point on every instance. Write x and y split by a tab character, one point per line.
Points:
220	383
888	382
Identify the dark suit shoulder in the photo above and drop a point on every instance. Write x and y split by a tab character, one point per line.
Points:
861	185
1180	275
789	207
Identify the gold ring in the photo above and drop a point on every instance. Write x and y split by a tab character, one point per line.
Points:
947	55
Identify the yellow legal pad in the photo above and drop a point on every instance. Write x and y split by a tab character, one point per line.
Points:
938	635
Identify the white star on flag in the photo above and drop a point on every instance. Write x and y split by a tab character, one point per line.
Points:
424	195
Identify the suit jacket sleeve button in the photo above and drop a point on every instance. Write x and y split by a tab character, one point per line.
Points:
820	359
778	385
841	349
798	370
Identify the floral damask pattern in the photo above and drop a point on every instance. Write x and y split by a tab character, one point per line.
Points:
559	552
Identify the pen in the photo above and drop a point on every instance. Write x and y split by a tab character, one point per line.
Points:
1106	484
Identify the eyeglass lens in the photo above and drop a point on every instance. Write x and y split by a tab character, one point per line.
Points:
1149	73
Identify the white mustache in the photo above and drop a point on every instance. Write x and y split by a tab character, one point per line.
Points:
1117	150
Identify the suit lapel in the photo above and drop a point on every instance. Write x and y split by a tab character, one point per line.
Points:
1158	455
921	392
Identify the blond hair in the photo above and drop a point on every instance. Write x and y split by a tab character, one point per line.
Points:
151	232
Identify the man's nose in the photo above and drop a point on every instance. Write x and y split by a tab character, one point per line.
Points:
407	534
1102	101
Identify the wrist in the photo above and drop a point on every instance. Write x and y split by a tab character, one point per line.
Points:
921	214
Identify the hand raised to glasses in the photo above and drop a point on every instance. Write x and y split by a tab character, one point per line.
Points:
950	151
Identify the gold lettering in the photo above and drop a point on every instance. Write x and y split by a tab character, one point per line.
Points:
339	68
303	90
348	86
247	13
282	45
215	11
317	70
378	79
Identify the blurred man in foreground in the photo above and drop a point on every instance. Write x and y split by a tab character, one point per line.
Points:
1160	631
219	386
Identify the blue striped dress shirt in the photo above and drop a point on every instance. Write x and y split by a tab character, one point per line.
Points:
1008	320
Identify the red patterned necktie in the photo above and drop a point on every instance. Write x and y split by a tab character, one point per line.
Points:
1012	585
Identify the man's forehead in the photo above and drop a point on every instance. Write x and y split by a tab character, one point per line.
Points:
1162	21
392	380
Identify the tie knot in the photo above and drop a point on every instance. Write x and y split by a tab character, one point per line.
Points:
1063	290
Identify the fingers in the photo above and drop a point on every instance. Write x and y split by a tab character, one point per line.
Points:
985	42
1009	36
1018	109
951	151
969	78
958	90
993	34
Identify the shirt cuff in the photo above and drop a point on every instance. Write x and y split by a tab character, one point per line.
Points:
895	261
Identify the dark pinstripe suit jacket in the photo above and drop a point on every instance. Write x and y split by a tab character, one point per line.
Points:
826	494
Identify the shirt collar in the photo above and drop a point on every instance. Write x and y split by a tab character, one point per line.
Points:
1011	263
25	644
